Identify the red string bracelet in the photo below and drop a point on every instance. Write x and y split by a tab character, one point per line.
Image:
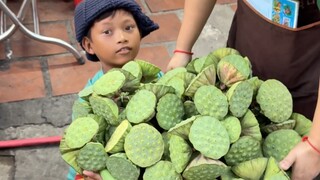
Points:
184	52
305	138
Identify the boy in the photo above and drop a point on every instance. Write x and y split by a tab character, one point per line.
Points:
110	31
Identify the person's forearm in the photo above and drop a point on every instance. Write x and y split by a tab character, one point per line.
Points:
314	134
196	14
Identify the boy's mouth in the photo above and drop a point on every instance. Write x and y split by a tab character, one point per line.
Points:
124	50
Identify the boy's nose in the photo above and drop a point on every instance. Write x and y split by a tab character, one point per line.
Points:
121	37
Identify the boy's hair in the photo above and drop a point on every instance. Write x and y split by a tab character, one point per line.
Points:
89	10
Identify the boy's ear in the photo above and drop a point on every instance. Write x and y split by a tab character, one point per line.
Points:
86	44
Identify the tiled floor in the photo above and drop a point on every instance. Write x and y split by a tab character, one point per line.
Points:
38	69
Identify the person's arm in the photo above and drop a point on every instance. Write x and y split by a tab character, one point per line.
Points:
314	135
305	158
196	14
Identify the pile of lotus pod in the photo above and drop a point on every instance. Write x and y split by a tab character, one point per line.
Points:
211	119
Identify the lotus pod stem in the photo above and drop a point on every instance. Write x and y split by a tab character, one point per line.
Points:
105	175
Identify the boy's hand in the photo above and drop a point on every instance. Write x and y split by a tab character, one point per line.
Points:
178	60
89	175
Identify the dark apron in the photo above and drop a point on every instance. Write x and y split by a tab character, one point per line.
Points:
276	52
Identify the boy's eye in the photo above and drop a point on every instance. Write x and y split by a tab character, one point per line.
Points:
107	32
130	27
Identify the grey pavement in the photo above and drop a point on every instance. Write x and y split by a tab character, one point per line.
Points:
51	115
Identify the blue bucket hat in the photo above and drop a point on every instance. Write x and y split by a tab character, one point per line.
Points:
88	10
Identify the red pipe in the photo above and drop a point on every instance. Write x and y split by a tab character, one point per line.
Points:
29	142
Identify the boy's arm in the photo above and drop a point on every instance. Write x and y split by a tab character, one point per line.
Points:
196	14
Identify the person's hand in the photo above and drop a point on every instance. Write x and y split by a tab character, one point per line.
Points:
305	161
178	60
89	175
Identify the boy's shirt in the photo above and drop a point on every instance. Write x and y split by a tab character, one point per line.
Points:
72	174
97	76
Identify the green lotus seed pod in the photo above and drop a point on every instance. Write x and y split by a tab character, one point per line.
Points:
163	170
252	169
122	116
279	176
109	131
224	51
233	68
245	149
131	83
100	136
144	145
69	155
233	126
229	175
279	143
250	126
190	66
190	109
134	68
106	108
86	93
201	63
149	71
187	77
206	77
182	129
158	89
122	168
166	153
210	137
212	59
180	153
169	74
178	84
210	101
289	124
275	100
109	83
80	109
141	107
239	97
255	82
80	132
170	111
273	171
303	124
92	157
204	168
116	142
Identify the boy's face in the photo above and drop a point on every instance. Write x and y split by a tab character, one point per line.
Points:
115	40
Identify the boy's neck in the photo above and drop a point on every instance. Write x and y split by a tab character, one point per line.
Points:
106	68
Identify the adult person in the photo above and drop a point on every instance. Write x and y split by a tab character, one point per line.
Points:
275	52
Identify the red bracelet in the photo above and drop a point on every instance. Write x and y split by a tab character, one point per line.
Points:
305	138
184	52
